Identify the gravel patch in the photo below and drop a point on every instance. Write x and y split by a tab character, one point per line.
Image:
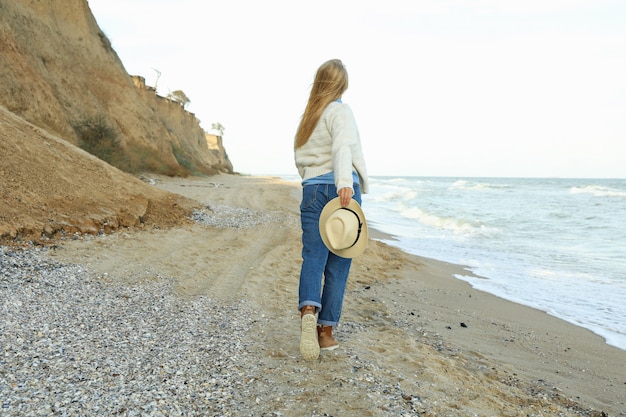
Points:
71	344
76	344
235	217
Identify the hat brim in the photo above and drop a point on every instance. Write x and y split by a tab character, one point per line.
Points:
356	249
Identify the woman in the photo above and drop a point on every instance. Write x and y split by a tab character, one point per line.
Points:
330	161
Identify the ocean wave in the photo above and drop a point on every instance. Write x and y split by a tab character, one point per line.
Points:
460	227
393	194
469	185
598	191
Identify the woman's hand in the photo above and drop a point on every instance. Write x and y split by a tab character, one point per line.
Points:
345	194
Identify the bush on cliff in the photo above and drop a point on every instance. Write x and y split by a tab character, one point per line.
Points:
100	139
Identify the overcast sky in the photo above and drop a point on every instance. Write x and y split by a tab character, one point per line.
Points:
526	88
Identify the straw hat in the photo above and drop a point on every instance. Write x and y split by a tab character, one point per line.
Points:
343	229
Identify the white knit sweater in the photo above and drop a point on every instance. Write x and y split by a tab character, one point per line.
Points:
334	146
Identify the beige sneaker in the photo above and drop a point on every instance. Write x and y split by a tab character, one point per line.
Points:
325	338
309	347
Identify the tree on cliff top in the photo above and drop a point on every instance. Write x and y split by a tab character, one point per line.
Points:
218	128
179	97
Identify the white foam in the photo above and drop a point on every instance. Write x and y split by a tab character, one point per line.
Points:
534	241
598	191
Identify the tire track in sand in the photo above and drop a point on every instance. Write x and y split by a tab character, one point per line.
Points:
227	286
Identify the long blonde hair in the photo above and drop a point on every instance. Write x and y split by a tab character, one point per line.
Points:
331	81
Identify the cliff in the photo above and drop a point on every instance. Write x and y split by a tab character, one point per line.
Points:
53	189
58	70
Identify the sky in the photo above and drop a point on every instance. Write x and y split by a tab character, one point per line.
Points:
455	88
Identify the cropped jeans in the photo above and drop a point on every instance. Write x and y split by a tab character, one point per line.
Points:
324	275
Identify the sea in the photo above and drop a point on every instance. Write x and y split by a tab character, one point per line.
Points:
554	244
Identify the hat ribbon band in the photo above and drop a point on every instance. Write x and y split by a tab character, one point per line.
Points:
358	219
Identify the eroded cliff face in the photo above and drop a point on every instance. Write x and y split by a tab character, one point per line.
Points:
57	67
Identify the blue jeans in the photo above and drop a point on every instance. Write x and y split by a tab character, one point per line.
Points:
318	263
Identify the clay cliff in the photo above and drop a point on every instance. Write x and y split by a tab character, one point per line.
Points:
60	77
58	71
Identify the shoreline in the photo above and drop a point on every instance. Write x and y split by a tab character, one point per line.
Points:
414	339
561	331
466	271
521	248
388	239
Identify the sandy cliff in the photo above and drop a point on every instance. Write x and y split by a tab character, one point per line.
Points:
51	188
57	67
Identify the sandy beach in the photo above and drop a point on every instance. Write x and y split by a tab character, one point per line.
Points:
142	295
413	339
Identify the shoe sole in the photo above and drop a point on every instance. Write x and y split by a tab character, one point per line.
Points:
333	347
309	347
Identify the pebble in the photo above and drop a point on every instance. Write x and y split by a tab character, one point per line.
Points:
72	344
236	217
76	344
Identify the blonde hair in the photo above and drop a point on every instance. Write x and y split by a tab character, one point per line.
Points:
331	81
